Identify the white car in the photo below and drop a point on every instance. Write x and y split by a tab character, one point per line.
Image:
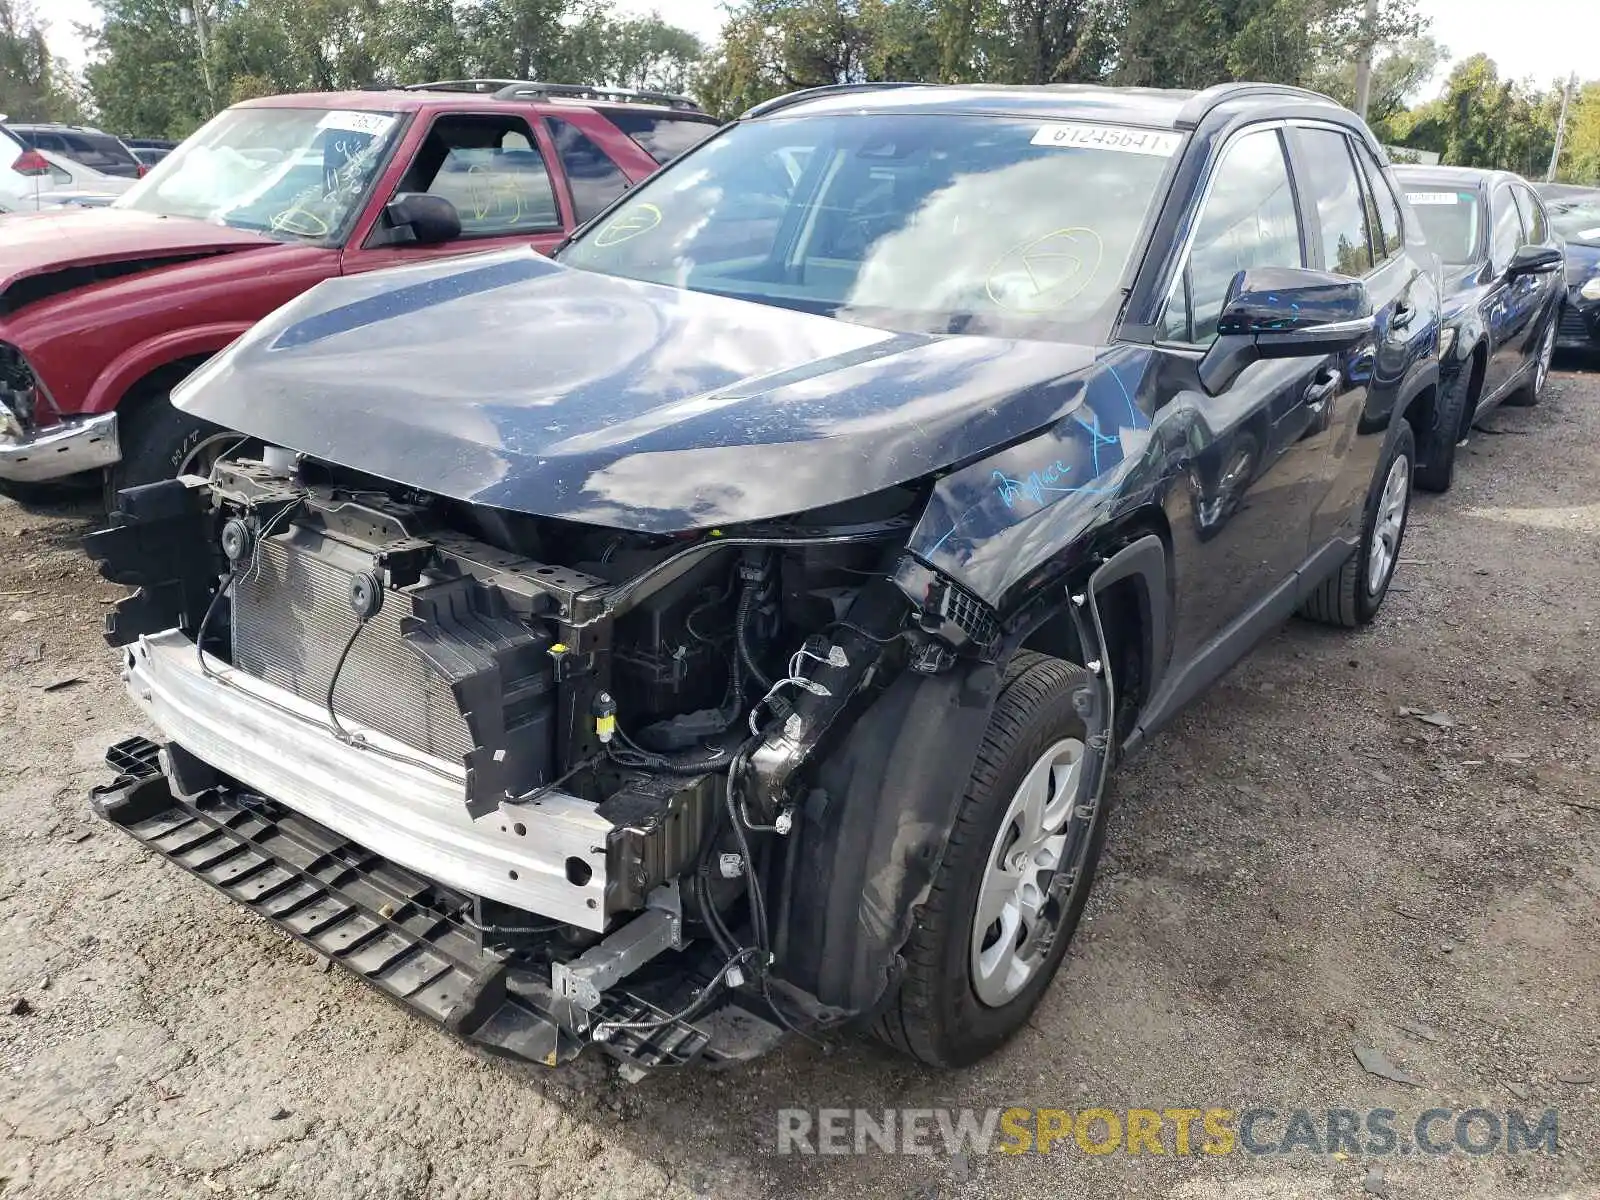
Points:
23	174
34	179
71	182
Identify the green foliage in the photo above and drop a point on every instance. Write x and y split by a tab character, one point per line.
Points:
34	86
148	74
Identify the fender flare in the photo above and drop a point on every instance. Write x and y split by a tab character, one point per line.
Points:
134	364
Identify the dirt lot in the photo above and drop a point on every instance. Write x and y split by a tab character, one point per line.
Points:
1296	870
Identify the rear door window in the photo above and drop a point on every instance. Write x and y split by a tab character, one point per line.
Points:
1383	210
1341	208
1507	229
1538	232
663	136
595	181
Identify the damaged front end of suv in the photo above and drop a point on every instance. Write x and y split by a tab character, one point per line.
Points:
669	780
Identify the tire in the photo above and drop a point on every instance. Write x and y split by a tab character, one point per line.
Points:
938	1015
1452	423
1349	598
1528	394
160	442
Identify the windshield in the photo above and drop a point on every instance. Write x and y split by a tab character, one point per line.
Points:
291	172
1451	221
912	222
1575	218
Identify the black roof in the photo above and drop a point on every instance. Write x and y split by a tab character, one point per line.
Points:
1165	108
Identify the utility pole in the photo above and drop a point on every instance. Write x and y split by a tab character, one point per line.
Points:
1561	128
195	10
1364	48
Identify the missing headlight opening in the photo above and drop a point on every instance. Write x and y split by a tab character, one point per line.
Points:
570	729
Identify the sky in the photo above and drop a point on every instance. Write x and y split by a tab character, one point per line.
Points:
1541	39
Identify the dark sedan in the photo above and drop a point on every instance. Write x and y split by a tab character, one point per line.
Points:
1575	215
1501	283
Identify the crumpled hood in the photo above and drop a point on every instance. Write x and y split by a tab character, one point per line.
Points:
509	380
1583	260
1457	279
34	244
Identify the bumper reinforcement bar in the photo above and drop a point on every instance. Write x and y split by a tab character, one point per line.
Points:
374	918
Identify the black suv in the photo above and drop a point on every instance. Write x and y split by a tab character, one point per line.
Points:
91	147
729	626
1502	298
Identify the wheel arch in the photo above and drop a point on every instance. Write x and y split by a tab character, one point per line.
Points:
1130	574
173	354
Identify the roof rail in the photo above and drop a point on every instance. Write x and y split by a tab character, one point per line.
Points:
1198	106
477	86
828	89
534	90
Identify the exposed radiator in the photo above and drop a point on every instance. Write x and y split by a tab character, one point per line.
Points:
291	620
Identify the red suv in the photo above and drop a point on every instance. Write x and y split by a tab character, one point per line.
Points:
104	310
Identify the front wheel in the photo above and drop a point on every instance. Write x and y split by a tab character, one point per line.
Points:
162	442
1352	595
1008	896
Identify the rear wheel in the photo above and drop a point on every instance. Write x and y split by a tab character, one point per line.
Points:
1352	595
1528	394
1011	889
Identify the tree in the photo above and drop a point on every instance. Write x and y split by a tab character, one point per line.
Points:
640	52
144	76
163	66
1580	155
769	47
1180	43
1396	77
34	85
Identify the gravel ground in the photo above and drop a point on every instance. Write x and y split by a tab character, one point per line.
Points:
1297	869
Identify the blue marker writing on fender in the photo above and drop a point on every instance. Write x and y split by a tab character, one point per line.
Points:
1034	486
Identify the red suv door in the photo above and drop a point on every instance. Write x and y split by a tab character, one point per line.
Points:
494	167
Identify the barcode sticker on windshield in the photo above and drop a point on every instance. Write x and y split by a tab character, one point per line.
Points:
1123	139
1419	198
375	124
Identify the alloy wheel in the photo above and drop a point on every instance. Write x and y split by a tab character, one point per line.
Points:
1547	351
1027	883
1390	524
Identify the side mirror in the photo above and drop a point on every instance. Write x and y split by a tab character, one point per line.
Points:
420	220
1535	260
1284	312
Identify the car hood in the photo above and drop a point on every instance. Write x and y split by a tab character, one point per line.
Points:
1583	260
512	381
57	240
1457	280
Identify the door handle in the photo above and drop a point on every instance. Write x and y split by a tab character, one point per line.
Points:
1322	389
1403	314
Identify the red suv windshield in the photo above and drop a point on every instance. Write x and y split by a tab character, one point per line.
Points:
292	172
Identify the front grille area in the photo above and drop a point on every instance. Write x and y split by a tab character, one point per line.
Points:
18	389
1572	323
291	620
